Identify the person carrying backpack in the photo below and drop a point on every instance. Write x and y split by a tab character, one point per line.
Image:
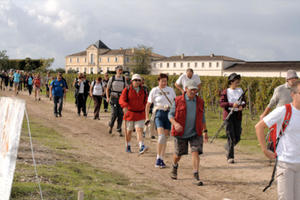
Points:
114	89
96	92
83	88
287	153
29	83
133	101
37	87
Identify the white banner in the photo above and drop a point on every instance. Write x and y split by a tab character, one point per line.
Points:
11	118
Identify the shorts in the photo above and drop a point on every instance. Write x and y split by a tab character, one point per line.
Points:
135	124
16	84
182	148
161	119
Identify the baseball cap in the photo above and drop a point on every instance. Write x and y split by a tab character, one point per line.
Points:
119	67
136	76
234	76
191	84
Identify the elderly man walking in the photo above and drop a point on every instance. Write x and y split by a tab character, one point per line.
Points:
188	120
133	101
180	83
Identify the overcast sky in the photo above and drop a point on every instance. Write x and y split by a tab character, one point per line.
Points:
252	30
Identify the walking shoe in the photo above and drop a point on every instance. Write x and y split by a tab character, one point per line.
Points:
162	164
120	132
85	114
59	114
197	179
174	171
128	149
230	160
110	130
158	162
143	149
55	115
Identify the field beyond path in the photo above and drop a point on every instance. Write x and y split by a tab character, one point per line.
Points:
92	144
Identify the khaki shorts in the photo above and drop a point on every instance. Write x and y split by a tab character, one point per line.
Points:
182	145
135	124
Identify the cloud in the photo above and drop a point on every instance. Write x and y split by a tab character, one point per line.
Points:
252	30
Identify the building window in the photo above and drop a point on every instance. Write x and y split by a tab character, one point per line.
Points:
92	70
174	65
99	59
92	58
188	64
203	65
77	60
196	64
217	64
160	65
77	69
127	59
181	65
154	65
108	59
174	73
116	59
210	64
70	60
167	65
85	60
85	70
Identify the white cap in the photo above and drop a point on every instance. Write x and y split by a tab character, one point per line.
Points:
136	76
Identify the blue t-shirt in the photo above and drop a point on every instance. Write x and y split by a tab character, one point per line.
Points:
58	88
30	81
17	77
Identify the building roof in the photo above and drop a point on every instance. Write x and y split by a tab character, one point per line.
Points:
82	53
127	52
100	45
265	65
201	58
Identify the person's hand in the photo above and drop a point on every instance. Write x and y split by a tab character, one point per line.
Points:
261	116
269	154
178	127
205	137
91	94
147	121
235	105
107	99
240	108
125	110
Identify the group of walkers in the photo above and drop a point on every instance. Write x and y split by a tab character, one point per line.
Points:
183	116
20	81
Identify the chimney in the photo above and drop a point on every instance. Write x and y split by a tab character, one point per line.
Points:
182	56
132	50
212	55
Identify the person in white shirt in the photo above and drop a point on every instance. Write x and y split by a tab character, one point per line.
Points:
180	83
162	97
96	91
288	149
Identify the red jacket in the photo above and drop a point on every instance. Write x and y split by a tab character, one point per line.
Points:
226	105
135	102
180	114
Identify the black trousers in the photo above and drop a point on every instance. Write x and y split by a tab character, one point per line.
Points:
58	100
97	105
233	132
29	89
116	113
105	103
81	103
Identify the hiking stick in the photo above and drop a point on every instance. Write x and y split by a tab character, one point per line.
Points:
227	118
89	106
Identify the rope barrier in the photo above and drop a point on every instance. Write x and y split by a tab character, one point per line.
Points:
34	163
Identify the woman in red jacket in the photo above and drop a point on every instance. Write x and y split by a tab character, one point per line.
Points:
133	102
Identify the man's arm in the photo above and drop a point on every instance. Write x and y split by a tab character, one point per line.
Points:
260	127
147	110
179	88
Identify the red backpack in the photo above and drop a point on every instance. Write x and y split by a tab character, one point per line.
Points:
272	135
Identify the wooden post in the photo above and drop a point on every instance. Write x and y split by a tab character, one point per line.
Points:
80	195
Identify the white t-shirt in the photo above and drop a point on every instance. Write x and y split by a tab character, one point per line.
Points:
81	88
183	79
98	90
234	95
288	149
158	98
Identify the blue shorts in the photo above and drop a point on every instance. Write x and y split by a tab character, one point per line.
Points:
161	119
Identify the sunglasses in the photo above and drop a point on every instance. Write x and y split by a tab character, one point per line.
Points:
138	80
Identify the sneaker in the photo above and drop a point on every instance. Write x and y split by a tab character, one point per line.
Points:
110	130
162	164
158	162
59	114
85	114
174	171
120	132
230	160
55	115
196	176
143	149
128	149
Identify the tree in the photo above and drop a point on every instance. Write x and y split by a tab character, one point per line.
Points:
62	70
72	71
3	60
142	59
28	66
45	64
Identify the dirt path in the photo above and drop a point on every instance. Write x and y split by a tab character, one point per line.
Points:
243	180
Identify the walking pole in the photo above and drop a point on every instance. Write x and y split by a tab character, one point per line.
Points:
227	118
89	106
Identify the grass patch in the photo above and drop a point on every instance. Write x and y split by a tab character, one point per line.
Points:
62	175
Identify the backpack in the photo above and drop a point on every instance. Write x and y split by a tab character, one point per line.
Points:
114	79
272	135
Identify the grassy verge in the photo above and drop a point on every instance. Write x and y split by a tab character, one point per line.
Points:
62	175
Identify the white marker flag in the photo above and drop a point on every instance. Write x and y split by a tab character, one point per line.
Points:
11	118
